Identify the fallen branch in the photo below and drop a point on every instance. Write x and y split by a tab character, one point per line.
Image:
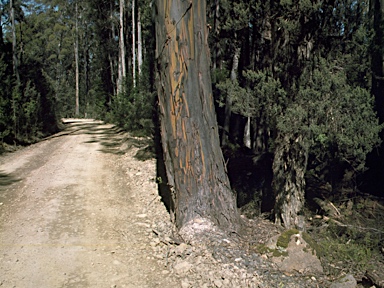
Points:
328	219
377	277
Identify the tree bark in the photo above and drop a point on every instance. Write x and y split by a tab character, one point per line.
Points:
289	167
192	155
216	33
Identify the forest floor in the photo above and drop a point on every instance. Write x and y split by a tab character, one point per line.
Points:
81	209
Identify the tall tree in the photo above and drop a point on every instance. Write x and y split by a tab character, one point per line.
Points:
134	42
121	69
139	44
76	47
192	155
14	43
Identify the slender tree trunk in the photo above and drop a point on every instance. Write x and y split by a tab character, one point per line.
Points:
139	45
86	68
228	100
122	69
16	89
14	43
76	46
122	40
112	67
112	62
192	155
247	134
133	43
1	34
260	138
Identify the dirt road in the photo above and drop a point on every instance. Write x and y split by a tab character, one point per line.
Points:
71	214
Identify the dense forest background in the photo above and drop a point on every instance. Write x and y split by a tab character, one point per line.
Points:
298	87
283	72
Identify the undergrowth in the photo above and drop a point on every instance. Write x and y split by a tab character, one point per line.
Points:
351	242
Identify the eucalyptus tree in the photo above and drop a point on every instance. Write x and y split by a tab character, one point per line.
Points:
192	155
122	60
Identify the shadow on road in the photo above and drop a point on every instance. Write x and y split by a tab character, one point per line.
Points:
113	140
7	179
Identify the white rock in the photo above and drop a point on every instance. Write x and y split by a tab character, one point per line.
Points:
181	249
218	283
348	281
182	267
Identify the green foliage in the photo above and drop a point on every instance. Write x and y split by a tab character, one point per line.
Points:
340	118
133	111
285	238
239	15
5	89
263	96
346	251
232	89
31	109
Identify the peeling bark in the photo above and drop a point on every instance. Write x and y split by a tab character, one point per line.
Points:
192	155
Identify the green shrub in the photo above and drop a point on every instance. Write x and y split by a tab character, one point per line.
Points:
133	111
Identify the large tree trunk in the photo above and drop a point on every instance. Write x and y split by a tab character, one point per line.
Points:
192	155
289	167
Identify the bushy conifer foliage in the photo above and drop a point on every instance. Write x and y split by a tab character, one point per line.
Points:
305	85
342	123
